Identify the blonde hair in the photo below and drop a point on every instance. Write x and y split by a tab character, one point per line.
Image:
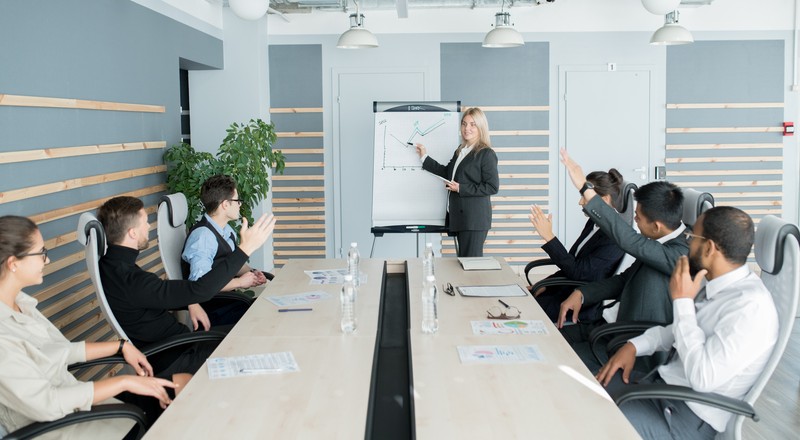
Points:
483	129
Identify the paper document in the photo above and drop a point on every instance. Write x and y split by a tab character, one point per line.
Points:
332	276
492	291
510	327
250	365
479	263
298	298
499	354
439	177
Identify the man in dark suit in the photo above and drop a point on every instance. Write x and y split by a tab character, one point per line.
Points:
643	289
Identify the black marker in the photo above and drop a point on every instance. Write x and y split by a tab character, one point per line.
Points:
409	143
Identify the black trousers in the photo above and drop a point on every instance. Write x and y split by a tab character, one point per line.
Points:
470	243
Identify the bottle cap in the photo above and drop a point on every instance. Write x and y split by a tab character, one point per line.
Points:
348	277
428	245
353	244
430	278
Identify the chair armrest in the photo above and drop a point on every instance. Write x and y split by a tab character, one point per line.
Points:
674	392
537	263
598	338
157	347
558	281
235	296
99	412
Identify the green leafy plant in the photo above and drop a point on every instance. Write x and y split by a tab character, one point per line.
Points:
246	154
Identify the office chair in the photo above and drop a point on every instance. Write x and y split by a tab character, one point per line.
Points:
694	204
171	231
98	412
91	235
777	249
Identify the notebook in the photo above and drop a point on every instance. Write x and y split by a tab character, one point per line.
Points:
479	263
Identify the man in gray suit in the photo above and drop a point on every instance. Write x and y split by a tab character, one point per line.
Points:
642	289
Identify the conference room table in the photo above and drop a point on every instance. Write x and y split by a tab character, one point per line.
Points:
329	396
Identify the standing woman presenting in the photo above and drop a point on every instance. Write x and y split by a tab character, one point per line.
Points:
473	179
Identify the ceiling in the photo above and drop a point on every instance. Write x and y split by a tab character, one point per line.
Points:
402	6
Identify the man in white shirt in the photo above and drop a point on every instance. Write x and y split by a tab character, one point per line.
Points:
724	329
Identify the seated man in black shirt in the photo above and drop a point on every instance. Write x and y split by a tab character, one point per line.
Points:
141	300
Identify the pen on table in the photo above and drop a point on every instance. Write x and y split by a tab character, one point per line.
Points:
295	310
409	143
504	304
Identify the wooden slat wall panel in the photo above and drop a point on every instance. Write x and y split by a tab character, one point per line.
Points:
67	296
299	205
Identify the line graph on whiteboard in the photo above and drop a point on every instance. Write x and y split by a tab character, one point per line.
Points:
400	134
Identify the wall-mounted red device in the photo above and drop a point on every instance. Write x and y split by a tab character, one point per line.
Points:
788	128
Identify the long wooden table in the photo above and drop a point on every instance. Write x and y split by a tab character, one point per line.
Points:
329	397
326	399
555	398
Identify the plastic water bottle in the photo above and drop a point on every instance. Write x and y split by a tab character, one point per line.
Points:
430	306
353	260
427	262
348	301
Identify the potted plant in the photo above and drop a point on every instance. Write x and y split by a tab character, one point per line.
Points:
246	154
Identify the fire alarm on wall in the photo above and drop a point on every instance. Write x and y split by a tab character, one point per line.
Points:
788	128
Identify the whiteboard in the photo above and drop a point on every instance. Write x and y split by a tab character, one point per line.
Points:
405	198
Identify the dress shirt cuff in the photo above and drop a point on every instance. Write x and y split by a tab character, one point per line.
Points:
683	308
643	345
422	159
77	352
77	397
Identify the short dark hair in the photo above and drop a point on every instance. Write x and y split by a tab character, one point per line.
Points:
118	215
16	237
661	201
732	230
216	190
607	184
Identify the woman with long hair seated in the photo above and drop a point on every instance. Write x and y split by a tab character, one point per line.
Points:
594	255
34	382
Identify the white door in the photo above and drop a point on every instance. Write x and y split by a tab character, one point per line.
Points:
606	124
353	150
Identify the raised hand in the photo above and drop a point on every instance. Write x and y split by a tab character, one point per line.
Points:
254	236
541	222
681	284
575	172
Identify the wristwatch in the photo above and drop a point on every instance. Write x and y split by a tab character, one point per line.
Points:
586	185
121	344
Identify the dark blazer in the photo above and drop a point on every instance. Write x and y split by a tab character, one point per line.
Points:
471	207
597	260
643	289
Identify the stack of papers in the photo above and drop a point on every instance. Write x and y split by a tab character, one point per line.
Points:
492	291
479	263
250	365
298	299
498	354
332	276
510	327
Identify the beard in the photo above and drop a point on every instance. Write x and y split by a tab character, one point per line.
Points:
695	265
143	244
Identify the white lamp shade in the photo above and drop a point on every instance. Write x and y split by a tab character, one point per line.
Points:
249	9
357	38
503	36
660	7
670	34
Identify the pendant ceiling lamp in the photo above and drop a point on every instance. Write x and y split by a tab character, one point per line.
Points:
661	7
503	34
671	33
249	9
357	37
